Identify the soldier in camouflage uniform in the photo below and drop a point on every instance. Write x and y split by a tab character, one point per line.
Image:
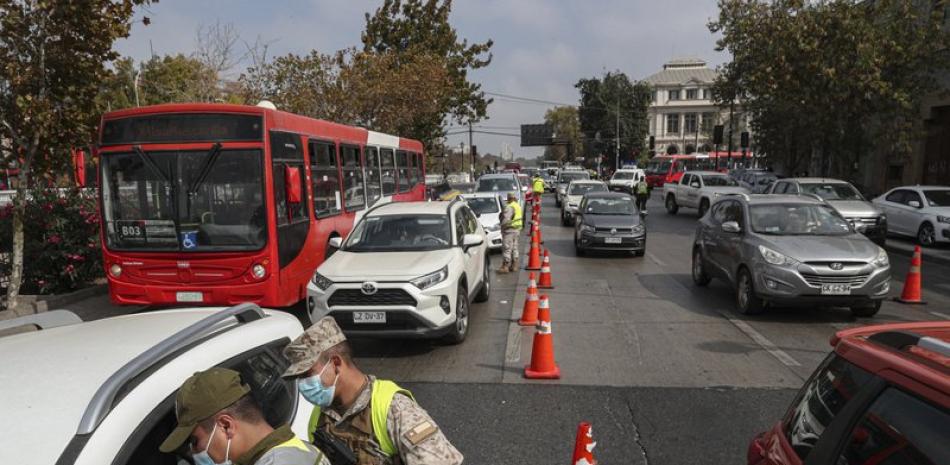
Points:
379	421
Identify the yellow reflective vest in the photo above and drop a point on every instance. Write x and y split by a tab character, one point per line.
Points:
517	220
538	185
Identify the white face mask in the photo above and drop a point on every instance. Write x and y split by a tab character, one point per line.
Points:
202	458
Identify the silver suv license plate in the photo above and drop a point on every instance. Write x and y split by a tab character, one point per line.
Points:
835	289
369	317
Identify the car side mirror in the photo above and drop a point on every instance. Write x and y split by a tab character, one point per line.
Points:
335	242
471	240
914	203
731	227
695	184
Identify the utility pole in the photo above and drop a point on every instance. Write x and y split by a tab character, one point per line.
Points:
618	133
732	108
471	170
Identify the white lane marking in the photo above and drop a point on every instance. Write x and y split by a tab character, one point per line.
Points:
762	341
655	260
941	315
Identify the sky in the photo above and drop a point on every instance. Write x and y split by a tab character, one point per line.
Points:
541	47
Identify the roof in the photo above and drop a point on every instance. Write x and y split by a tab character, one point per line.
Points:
816	180
771	199
588	181
483	195
411	208
682	71
708	173
499	175
609	194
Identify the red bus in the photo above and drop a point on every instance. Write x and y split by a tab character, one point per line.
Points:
663	169
214	204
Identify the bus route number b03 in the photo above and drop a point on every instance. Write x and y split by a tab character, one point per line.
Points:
131	230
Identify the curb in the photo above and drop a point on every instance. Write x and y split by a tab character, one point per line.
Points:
32	304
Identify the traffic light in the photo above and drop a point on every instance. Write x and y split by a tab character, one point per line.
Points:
744	140
717	134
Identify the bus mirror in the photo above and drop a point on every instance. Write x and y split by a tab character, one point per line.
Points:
79	167
292	183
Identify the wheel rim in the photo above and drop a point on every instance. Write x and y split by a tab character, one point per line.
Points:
743	291
697	266
669	203
927	235
461	321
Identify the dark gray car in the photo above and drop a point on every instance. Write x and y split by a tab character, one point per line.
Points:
609	221
789	250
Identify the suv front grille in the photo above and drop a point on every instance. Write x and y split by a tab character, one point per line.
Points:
382	297
818	280
619	230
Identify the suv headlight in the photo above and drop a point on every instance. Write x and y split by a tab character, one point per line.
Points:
638	229
943	219
587	228
774	257
321	281
431	279
881	261
494	227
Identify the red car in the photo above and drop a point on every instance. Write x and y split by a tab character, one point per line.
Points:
882	397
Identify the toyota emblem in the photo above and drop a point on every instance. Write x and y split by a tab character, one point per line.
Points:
368	288
836	266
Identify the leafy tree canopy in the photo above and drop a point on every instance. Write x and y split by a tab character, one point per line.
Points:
606	100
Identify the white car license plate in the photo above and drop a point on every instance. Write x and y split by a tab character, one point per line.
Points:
835	289
613	240
189	296
369	317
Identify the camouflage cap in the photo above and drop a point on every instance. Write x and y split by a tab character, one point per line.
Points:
304	351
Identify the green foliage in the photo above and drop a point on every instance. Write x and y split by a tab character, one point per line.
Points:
61	251
567	130
835	78
602	101
165	79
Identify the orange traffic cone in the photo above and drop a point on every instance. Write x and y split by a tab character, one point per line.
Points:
542	351
911	293
534	256
529	315
537	230
584	445
545	281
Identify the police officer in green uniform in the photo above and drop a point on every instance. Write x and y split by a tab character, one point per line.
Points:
376	421
219	422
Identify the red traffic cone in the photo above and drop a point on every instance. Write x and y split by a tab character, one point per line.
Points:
529	314
542	351
537	230
545	281
911	293
584	445
534	256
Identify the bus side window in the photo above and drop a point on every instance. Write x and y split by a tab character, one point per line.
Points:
353	188
402	170
388	171
416	161
374	186
287	151
325	179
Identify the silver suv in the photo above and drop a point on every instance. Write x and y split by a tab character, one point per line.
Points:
782	249
866	218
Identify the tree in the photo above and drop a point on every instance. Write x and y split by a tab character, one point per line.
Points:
51	64
605	102
831	80
567	132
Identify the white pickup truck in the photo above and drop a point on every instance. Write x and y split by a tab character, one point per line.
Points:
699	189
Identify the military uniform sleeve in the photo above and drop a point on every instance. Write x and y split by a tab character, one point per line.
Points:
416	436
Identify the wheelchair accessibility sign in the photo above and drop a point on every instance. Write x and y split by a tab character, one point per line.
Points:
189	240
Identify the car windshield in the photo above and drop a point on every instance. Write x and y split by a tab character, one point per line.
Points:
610	206
798	220
568	177
399	233
832	191
712	180
482	205
938	198
581	189
623	175
496	185
159	201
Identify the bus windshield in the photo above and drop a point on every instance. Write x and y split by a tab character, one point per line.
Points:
184	200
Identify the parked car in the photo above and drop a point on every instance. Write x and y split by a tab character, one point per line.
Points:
699	189
572	197
103	392
867	218
501	184
789	250
488	208
922	212
407	269
609	221
625	180
756	181
563	179
880	397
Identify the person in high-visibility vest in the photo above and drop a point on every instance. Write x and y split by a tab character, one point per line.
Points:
375	420
220	422
642	190
512	221
537	185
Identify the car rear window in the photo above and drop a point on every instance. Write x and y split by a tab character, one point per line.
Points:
821	399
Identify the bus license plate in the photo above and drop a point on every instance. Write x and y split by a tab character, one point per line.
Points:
836	289
613	240
369	317
189	296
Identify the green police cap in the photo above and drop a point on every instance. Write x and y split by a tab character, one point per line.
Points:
202	395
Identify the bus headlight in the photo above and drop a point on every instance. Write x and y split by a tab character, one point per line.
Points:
115	270
258	271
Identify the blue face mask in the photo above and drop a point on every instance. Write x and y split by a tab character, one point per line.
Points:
202	458
315	392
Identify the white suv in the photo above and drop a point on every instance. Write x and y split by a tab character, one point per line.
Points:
408	269
103	392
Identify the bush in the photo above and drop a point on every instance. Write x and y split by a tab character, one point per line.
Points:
61	250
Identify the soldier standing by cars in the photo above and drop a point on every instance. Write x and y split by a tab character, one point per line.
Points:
358	419
511	223
642	190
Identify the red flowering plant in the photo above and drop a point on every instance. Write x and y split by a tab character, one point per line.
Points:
61	250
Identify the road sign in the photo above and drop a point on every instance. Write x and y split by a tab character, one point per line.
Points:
533	135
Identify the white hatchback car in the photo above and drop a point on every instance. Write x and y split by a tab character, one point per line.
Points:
103	392
918	211
408	269
488	208
573	195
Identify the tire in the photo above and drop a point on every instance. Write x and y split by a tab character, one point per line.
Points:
867	311
703	207
639	253
578	250
671	206
460	327
564	220
485	292
926	236
700	277
746	301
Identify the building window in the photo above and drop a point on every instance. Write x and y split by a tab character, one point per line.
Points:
674	95
689	123
707	94
654	96
707	123
673	123
692	94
